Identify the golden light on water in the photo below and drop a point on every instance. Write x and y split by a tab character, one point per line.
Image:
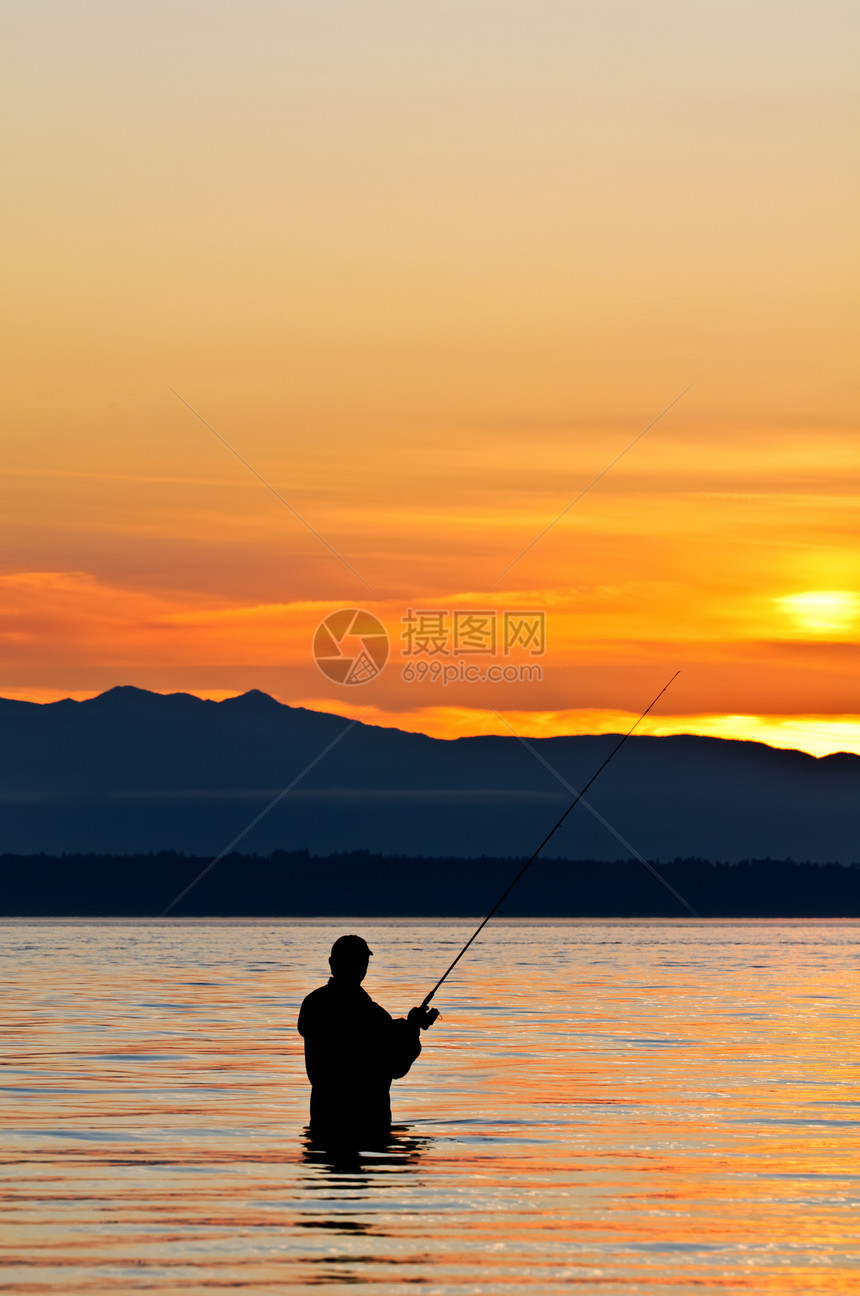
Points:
822	612
625	1106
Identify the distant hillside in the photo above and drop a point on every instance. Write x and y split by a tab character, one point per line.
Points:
360	884
132	771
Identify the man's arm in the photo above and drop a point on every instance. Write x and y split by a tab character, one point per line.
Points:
307	1014
406	1042
404	1047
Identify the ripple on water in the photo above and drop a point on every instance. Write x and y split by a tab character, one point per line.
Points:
619	1108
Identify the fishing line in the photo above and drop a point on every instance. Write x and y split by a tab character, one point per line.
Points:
599	817
550	834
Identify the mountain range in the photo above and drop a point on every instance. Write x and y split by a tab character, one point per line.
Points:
132	771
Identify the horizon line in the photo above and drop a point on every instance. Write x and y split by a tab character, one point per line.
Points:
815	734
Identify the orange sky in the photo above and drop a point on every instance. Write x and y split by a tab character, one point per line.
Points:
429	272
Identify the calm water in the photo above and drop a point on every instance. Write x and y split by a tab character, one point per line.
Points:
603	1107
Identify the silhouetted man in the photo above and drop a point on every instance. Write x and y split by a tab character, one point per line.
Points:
354	1049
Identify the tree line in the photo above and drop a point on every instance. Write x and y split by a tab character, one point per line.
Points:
361	884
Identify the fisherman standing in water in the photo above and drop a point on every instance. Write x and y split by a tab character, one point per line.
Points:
354	1049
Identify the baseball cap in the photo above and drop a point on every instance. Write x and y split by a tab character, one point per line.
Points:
350	945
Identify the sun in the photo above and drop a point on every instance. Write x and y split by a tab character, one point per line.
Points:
822	612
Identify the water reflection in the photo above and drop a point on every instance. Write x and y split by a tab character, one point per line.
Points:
654	1109
401	1150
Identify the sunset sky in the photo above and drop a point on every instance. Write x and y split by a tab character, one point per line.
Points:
428	270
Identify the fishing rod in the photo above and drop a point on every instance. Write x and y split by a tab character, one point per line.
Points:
425	1002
